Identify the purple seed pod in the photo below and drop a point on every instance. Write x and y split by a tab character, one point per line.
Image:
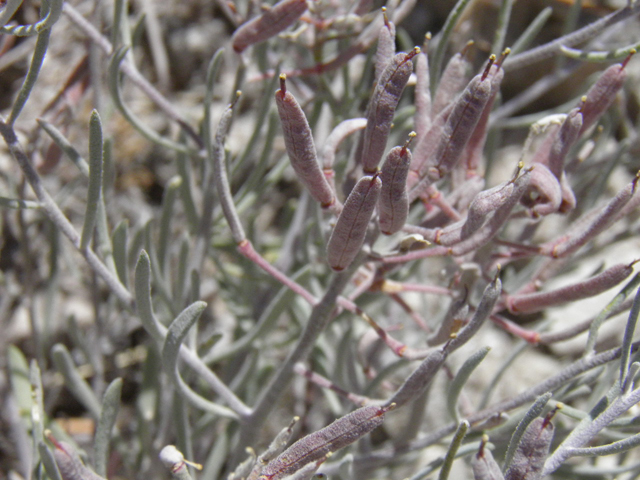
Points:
69	463
272	21
393	204
351	228
475	145
422	95
590	225
534	302
484	234
460	125
382	107
544	195
452	81
386	45
532	451
565	139
420	379
300	147
421	153
602	94
484	465
317	445
483	205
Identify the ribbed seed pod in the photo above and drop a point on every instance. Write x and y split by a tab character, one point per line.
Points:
299	142
317	445
602	94
532	451
69	463
386	44
382	108
453	79
564	140
461	123
534	302
273	21
393	204
351	228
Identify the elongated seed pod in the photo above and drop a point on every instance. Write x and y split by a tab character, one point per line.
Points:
460	125
484	465
475	145
590	225
489	299
317	445
382	107
420	379
534	302
481	236
69	463
386	45
602	94
452	81
393	204
300	147
422	152
272	21
351	228
565	139
483	206
532	451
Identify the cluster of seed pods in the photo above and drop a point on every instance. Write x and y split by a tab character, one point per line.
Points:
451	130
450	133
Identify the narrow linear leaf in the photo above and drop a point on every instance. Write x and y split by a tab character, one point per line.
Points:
42	43
48	461
108	414
61	141
461	378
20	383
95	179
525	39
74	381
170	196
456	441
611	306
143	297
137	123
170	351
9	9
119	241
436	64
533	413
